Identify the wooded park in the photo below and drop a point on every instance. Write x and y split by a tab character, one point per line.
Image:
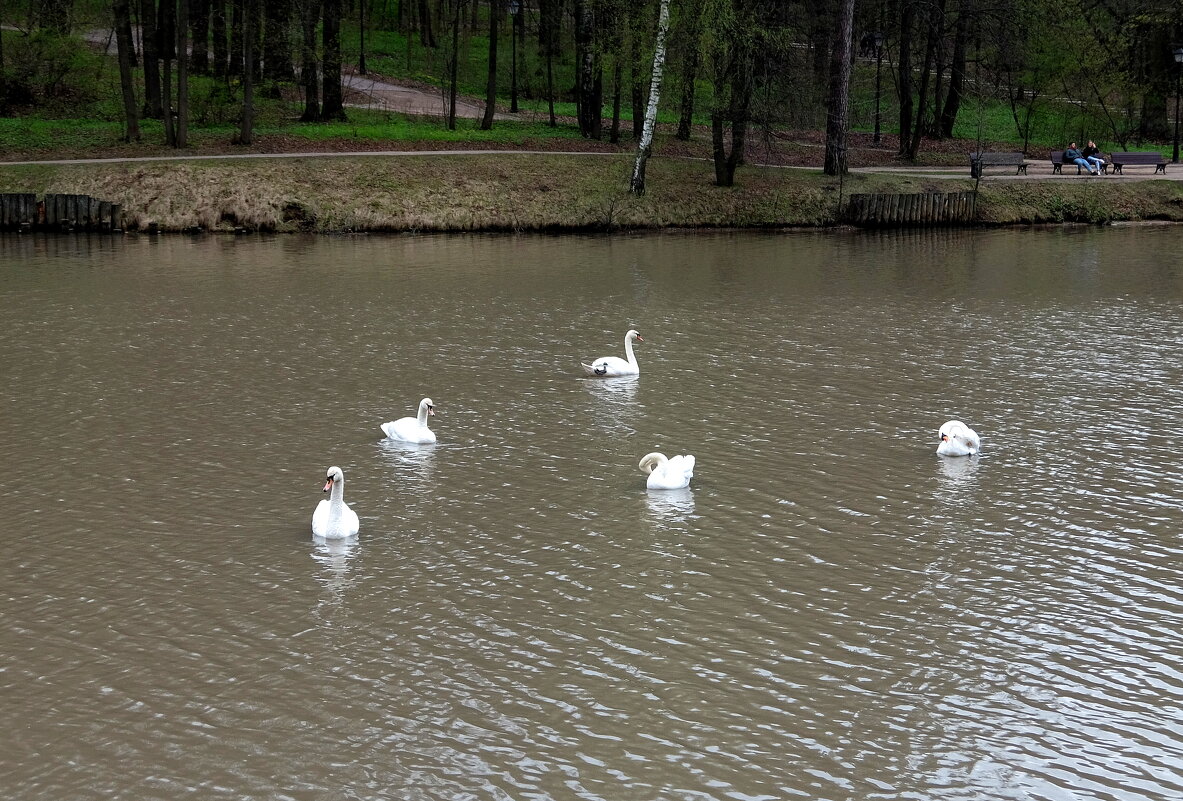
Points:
1031	73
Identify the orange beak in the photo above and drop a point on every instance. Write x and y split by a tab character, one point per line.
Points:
328	485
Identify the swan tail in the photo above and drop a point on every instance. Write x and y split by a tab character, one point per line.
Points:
587	368
388	428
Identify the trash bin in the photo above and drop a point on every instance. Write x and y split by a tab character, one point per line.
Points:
975	168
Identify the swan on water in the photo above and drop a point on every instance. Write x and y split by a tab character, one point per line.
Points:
412	429
333	519
607	366
666	473
958	439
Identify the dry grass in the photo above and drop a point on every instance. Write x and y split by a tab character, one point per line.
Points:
531	192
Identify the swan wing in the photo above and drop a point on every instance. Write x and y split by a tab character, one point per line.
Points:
610	366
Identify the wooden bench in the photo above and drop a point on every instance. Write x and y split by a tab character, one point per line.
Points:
1057	157
979	161
1122	159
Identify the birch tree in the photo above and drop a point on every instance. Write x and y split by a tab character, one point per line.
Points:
637	184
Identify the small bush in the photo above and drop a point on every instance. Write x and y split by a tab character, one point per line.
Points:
53	72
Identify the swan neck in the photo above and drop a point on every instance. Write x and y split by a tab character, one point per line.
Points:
628	351
337	494
422	415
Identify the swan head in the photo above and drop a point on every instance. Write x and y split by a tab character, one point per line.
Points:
427	404
650	461
632	335
333	475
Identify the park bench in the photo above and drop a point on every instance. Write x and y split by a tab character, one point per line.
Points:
1057	157
1131	159
979	161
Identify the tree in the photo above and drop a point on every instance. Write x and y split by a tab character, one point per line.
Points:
122	9
334	100
548	38
217	20
454	64
277	47
246	128
589	82
637	184
153	109
734	46
691	61
309	17
54	15
199	17
182	29
491	80
166	36
837	118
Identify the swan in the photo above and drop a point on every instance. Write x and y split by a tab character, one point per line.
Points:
412	429
614	365
666	473
958	439
333	519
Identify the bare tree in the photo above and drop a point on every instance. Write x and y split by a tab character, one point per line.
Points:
334	100
151	54
637	184
837	117
199	33
246	128
491	82
589	83
309	18
691	60
182	73
123	40
217	21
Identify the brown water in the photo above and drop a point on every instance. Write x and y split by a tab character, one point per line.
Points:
830	612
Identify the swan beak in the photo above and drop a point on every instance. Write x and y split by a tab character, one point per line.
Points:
328	485
944	437
640	338
431	410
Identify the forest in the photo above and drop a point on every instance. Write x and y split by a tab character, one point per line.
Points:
1029	72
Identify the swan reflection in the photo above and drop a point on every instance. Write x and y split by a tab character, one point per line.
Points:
617	401
957	469
408	454
670	506
336	560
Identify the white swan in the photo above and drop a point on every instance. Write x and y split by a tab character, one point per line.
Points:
614	365
412	429
666	473
333	519
958	439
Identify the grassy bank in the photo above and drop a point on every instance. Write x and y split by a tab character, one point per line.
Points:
540	192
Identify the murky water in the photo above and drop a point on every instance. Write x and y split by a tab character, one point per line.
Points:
831	611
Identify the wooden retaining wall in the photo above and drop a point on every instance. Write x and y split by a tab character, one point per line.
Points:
929	208
23	212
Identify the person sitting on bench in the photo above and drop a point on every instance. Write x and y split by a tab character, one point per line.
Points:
1077	158
1092	154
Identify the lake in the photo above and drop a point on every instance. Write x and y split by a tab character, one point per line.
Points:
830	611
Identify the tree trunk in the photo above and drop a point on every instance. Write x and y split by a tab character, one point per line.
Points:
123	40
837	119
182	30
956	71
691	60
309	18
148	35
635	71
589	87
922	94
491	82
166	30
426	32
454	64
199	28
246	130
637	183
218	31
277	46
334	100
548	34
617	76
907	21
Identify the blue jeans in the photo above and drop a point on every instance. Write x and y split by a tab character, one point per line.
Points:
1084	163
1096	161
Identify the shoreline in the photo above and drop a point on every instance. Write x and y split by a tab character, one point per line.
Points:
446	191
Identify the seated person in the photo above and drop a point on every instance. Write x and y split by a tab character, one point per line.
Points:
1092	154
1076	157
